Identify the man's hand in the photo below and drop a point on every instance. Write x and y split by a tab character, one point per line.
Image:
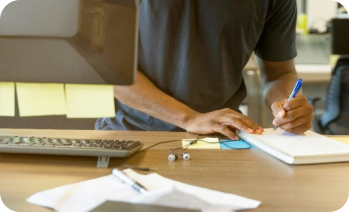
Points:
144	96
294	116
223	121
278	79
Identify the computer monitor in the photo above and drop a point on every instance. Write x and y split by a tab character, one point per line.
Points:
340	35
69	41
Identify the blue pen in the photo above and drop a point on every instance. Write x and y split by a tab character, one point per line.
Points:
294	92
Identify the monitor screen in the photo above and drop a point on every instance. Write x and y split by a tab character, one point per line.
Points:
69	41
340	35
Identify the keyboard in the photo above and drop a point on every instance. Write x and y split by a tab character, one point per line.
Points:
74	147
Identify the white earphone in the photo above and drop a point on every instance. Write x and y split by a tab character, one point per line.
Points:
173	156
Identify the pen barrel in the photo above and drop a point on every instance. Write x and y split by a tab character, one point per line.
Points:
294	92
139	188
296	88
128	180
122	176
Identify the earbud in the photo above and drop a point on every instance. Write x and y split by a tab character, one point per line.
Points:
173	156
186	156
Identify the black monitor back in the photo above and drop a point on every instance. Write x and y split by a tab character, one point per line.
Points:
340	36
103	49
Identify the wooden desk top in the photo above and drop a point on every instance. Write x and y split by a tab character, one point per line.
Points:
250	173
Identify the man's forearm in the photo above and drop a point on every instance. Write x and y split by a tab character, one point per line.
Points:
279	88
278	79
144	96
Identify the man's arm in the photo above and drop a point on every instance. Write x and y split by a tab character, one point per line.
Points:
278	80
144	96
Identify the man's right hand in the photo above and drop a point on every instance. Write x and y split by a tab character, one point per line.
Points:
224	121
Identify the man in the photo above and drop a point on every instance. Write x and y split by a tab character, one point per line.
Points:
191	56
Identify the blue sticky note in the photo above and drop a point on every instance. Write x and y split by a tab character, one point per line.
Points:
238	144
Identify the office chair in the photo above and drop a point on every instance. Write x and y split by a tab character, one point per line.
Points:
335	119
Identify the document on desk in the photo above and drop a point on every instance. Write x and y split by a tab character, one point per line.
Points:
87	195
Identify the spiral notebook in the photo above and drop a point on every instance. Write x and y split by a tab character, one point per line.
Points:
298	149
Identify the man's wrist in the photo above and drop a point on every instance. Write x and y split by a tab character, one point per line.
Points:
188	118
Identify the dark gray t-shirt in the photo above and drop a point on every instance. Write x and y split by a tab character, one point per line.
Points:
195	50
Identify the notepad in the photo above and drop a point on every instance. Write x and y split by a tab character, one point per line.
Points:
298	149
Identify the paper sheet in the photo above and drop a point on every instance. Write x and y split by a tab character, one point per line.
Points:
85	196
7	99
40	99
206	143
89	101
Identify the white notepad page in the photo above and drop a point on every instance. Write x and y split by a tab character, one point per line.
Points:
310	143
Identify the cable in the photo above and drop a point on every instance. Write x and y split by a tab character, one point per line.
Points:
139	168
182	147
161	142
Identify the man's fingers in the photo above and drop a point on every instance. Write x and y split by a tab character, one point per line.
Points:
224	130
298	126
278	109
289	117
296	121
298	101
241	122
224	121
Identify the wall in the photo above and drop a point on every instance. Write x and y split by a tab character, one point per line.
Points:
319	12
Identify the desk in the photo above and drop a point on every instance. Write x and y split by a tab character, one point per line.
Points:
249	173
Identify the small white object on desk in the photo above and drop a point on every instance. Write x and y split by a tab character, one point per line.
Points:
126	179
